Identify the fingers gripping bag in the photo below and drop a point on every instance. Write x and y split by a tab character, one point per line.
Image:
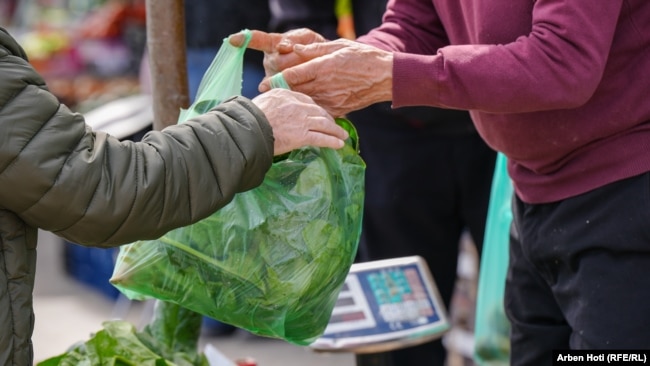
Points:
274	259
492	327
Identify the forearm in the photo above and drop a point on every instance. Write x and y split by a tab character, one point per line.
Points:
558	65
108	192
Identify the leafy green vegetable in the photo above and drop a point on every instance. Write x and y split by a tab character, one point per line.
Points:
274	259
171	339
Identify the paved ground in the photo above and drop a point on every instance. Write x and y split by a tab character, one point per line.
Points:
68	312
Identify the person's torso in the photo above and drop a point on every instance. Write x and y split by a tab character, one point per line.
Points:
576	149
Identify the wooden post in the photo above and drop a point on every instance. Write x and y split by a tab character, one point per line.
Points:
168	65
167	61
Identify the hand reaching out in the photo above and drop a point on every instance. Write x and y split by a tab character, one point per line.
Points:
341	75
278	47
297	121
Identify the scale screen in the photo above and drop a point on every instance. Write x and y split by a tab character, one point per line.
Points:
385	305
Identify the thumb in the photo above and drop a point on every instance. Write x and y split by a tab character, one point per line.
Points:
293	77
288	78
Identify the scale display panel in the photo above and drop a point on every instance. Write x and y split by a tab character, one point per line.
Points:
385	305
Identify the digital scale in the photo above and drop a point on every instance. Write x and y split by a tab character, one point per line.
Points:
385	305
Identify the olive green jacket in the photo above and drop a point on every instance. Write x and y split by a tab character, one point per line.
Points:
89	188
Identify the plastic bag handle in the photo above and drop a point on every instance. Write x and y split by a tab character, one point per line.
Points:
278	81
247	37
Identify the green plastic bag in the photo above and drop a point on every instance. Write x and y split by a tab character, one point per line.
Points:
274	259
492	328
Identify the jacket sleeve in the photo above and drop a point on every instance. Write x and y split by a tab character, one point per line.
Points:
88	187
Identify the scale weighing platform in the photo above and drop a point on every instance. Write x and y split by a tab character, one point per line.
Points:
385	305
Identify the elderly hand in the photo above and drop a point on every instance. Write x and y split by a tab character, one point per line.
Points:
297	121
277	47
341	75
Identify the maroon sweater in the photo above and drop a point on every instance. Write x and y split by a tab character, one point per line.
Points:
562	88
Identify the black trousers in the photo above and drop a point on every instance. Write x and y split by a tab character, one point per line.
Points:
424	188
579	275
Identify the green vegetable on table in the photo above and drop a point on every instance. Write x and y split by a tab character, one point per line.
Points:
170	339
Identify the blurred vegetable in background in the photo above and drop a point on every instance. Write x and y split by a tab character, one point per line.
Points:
171	339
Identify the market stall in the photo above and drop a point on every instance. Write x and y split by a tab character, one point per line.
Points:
88	52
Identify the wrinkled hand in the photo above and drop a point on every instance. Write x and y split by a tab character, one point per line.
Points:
278	47
341	75
297	121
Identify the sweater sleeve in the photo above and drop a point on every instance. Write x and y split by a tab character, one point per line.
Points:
556	64
90	188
